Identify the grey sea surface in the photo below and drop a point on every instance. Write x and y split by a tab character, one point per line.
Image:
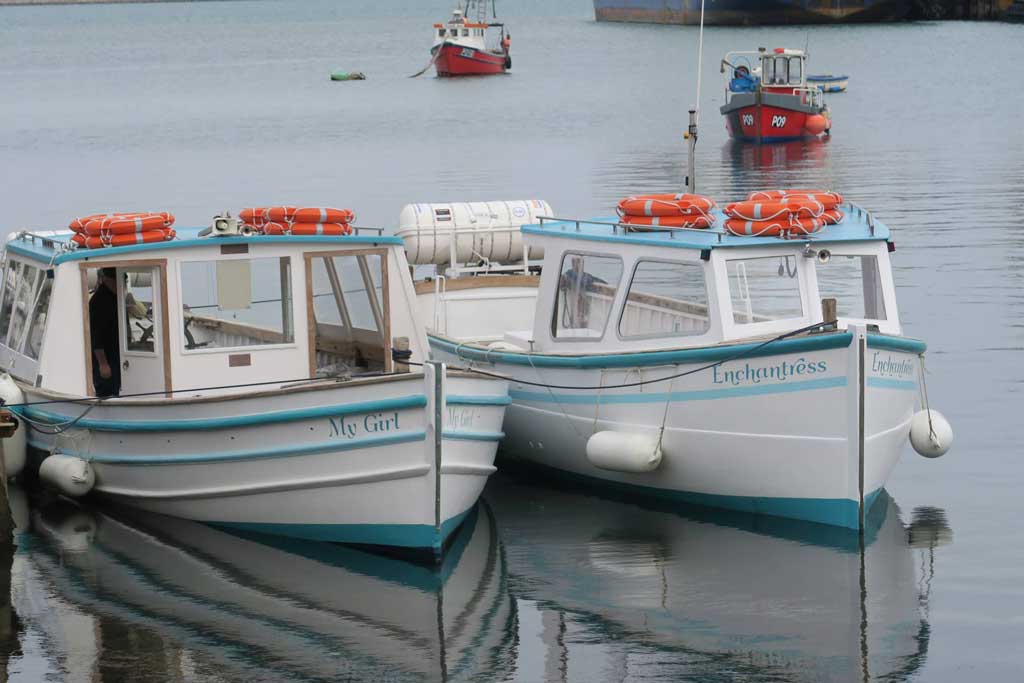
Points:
201	107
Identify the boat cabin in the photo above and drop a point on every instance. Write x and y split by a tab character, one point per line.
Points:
783	71
198	312
606	288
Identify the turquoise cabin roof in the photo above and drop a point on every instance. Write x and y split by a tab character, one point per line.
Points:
856	226
52	248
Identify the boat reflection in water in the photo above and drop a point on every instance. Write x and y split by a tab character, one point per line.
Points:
231	606
706	595
794	155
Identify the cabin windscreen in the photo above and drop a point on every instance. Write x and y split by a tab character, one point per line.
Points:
586	291
233	303
665	299
764	289
855	282
349	307
23	307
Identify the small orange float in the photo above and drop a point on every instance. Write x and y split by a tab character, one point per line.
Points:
832	216
665	205
307	229
696	221
781	227
124	240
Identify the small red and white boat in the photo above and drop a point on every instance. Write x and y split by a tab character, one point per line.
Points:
461	46
768	98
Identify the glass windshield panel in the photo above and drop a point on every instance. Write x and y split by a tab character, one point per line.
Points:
665	300
781	70
769	70
586	291
12	278
137	295
236	303
37	324
764	289
23	302
855	283
795	70
349	310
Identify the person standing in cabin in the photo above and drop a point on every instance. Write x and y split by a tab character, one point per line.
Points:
103	332
506	42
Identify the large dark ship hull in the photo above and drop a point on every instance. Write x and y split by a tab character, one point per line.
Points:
752	12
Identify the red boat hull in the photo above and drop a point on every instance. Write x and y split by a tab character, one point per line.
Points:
780	118
457	60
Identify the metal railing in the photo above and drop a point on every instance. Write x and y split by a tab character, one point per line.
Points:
629	227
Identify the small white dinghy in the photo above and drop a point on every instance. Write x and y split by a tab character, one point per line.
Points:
259	379
687	356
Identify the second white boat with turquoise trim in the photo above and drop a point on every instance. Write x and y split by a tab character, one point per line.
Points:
765	373
255	384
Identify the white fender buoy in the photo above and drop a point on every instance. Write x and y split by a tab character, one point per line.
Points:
14	447
67	474
930	441
624	451
73	529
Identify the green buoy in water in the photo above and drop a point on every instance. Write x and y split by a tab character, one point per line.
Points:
348	76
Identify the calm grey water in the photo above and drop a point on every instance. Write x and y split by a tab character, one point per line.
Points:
201	107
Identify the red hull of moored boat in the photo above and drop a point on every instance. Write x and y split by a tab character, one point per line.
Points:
457	60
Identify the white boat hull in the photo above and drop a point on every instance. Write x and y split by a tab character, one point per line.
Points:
350	462
774	432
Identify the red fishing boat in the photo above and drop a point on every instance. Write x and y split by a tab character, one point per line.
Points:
768	99
466	47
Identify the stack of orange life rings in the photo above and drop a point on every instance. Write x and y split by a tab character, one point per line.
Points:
783	213
121	229
291	220
667	211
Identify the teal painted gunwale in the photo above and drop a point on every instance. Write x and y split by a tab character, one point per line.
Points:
228	456
32	250
890	343
199	424
458	400
819	342
467	435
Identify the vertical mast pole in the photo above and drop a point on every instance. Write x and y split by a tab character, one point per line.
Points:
691	131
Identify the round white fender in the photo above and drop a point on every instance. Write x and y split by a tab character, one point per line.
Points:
624	451
70	475
15	446
922	438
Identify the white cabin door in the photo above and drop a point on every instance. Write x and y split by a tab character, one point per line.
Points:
141	327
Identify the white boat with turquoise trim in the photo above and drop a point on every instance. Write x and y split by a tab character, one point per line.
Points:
696	364
259	388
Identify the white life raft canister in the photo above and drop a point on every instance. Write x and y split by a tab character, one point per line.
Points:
14	447
487	230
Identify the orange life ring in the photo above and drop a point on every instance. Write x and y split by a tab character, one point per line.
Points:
292	214
307	229
696	221
665	205
91	242
802	207
832	216
829	200
256	216
122	223
774	228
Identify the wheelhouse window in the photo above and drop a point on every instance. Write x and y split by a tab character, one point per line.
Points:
795	70
665	299
586	291
781	70
236	303
768	67
23	308
764	289
855	282
440	33
350	314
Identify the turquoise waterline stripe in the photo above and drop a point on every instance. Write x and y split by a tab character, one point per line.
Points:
419	536
458	400
901	384
839	512
314	449
415	401
662	397
882	341
467	435
631	360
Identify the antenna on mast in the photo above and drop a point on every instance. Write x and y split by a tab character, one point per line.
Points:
691	131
